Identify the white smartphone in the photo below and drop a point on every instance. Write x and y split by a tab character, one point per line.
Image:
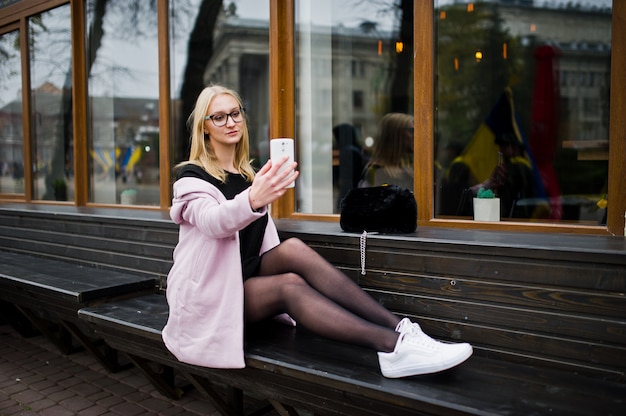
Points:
282	147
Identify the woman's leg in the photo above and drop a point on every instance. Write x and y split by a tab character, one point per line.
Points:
294	256
294	279
267	296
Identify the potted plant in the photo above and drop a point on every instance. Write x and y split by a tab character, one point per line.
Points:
60	190
486	206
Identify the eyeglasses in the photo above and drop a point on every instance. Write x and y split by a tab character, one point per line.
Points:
220	119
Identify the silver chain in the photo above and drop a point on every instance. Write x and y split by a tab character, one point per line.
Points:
363	244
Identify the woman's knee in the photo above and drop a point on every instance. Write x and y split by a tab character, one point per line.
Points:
294	243
291	283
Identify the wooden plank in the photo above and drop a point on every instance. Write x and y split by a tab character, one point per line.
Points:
150	232
66	282
500	268
558	299
591	328
138	246
115	240
123	261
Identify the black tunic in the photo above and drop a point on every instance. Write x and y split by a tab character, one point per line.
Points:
251	237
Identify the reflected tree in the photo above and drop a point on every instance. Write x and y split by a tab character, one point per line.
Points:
55	179
402	82
400	66
9	54
199	53
473	66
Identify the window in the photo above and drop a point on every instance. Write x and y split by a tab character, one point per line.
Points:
337	132
552	136
353	65
123	124
11	117
51	105
358	100
232	45
358	69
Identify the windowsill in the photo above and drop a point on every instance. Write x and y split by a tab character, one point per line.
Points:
542	244
121	212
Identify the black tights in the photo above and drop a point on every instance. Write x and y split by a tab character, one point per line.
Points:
294	279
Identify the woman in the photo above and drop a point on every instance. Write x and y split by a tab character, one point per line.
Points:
392	155
230	267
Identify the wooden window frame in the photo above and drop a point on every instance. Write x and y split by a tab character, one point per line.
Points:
282	93
15	17
282	98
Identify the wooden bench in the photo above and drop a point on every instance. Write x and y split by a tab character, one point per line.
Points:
54	262
546	315
295	369
49	294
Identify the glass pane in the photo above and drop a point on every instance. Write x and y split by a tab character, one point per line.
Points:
522	108
354	98
227	46
11	127
51	100
122	66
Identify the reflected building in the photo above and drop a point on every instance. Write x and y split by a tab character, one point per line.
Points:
121	148
46	102
581	34
241	61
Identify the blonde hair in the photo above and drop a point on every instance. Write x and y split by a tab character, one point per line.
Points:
389	150
201	152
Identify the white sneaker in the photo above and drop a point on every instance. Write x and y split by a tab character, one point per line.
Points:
416	353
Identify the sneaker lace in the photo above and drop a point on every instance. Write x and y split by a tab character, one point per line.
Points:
417	337
410	327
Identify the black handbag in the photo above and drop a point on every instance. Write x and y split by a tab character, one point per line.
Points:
383	209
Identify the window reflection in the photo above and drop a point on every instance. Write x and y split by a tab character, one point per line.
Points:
226	45
354	65
348	78
11	130
528	82
391	161
122	66
51	104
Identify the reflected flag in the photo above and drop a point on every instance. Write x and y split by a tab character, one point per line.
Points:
130	158
481	153
544	123
103	158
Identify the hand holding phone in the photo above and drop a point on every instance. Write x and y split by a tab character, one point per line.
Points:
282	147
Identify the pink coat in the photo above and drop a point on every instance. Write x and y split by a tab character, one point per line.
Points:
205	285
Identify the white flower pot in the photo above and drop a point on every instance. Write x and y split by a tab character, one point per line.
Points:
128	197
487	209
